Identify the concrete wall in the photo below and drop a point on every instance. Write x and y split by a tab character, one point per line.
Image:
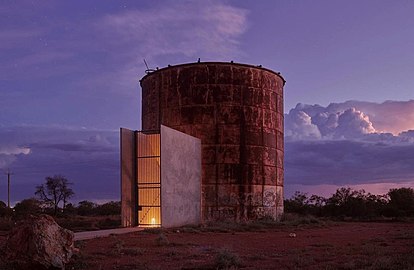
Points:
128	187
180	178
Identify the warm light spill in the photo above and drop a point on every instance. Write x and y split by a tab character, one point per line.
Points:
148	173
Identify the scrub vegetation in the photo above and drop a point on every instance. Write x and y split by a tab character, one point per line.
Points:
354	204
83	216
53	198
314	233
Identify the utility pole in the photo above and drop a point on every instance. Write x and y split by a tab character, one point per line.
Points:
8	173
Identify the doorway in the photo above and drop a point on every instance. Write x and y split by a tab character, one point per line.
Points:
148	178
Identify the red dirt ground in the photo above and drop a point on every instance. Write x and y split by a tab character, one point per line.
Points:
335	246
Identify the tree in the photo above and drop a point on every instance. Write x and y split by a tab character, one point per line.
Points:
86	208
109	208
347	202
316	204
54	191
402	201
70	209
298	203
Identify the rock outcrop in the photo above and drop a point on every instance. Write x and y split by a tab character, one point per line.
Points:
38	242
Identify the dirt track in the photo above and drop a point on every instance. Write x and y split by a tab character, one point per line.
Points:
337	246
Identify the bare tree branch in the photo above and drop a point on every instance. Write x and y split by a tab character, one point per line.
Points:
54	191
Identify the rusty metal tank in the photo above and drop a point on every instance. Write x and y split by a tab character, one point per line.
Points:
237	112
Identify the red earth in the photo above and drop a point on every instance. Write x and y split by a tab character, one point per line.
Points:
347	245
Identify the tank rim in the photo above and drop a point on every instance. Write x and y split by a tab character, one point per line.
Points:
221	63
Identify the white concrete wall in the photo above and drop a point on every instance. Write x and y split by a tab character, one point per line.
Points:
180	178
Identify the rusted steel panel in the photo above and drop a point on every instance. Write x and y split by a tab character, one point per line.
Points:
237	112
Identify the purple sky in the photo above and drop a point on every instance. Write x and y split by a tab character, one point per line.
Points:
69	79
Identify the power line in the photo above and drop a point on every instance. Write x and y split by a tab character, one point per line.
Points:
8	173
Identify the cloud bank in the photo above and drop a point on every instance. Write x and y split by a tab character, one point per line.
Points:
324	148
88	158
350	143
9	154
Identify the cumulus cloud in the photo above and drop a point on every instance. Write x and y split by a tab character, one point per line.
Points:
349	143
389	116
352	123
351	119
299	125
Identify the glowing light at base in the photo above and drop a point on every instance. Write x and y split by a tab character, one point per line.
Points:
149	179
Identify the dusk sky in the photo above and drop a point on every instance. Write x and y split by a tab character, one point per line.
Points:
70	70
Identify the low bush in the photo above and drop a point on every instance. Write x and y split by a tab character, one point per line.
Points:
77	223
79	261
226	260
162	240
109	223
293	219
6	224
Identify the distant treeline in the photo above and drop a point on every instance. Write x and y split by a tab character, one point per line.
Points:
347	202
83	208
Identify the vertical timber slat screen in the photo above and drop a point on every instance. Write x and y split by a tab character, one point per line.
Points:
148	178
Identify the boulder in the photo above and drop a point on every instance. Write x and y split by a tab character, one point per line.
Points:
38	242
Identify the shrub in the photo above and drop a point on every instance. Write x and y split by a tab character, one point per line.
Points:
86	208
27	207
162	240
77	223
78	261
295	219
109	223
226	259
4	210
6	224
109	209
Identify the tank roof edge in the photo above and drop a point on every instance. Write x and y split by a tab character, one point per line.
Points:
229	63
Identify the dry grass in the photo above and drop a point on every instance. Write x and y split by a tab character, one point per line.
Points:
238	246
288	220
